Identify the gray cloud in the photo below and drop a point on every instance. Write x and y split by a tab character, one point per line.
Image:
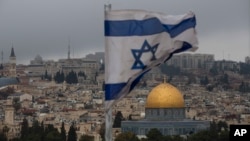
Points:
43	27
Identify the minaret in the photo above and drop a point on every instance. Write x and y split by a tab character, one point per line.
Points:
12	62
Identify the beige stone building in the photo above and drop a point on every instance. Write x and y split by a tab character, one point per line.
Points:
192	61
10	125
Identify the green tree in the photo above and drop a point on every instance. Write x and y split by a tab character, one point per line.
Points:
42	132
154	135
62	77
214	70
32	137
35	127
224	136
222	125
204	81
34	132
59	77
53	136
6	129
16	104
46	76
167	138
244	69
210	87
175	138
224	79
191	79
244	87
80	73
72	133
202	136
71	78
127	136
63	132
24	128
49	128
130	117
15	139
213	129
118	120
1	66
86	138
3	137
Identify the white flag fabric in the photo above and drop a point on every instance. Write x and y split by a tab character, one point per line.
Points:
137	41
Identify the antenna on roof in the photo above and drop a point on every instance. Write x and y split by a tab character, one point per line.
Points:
2	56
68	48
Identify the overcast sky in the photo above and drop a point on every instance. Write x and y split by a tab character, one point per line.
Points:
45	26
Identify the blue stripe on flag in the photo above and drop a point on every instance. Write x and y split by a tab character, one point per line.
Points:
185	46
175	30
111	90
133	27
136	81
146	27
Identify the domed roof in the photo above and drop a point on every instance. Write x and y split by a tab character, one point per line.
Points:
38	58
165	95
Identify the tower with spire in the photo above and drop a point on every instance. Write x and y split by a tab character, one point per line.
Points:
12	63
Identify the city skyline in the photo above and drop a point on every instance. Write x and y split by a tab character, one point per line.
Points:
45	27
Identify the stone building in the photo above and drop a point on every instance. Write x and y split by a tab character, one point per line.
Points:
38	67
9	124
192	61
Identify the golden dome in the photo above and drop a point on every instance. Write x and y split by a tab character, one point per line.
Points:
165	95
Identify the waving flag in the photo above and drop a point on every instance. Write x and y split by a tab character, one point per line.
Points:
137	41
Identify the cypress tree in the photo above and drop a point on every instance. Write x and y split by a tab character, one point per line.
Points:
24	128
72	133
62	77
63	132
71	78
42	131
3	137
118	120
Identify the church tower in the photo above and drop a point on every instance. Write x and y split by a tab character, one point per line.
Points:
12	63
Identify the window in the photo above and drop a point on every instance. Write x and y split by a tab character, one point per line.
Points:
165	112
180	131
142	131
169	112
165	131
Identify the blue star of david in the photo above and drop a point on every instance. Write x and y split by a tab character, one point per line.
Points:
137	53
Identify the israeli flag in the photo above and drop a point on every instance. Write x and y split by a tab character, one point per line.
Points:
138	40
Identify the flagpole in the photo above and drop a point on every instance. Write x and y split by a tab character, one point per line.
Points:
108	112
